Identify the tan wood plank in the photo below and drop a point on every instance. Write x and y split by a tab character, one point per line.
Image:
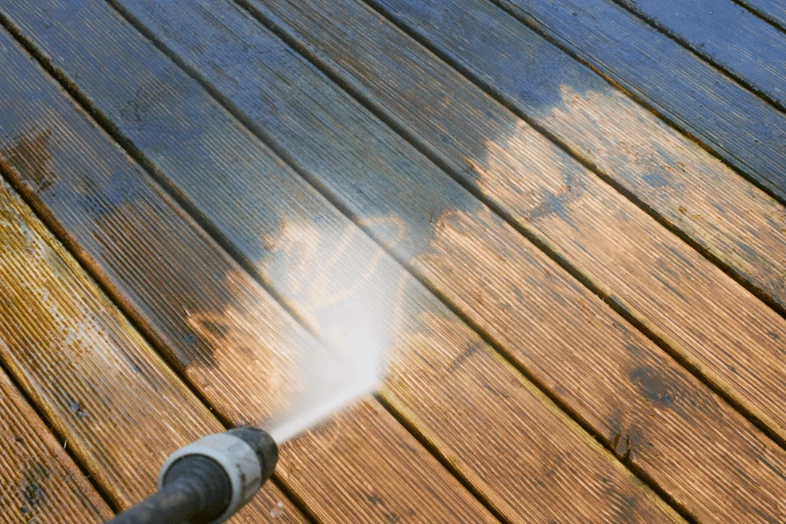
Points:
117	405
565	335
501	434
695	194
38	481
215	323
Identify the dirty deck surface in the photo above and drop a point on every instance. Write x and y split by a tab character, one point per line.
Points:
564	218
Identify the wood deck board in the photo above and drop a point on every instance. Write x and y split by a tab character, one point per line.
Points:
357	189
172	277
429	341
545	192
773	11
689	190
736	124
38	480
729	36
87	369
515	448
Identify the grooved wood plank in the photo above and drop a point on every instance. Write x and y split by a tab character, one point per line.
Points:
117	405
565	335
737	224
633	260
772	10
512	445
727	35
38	481
214	322
737	125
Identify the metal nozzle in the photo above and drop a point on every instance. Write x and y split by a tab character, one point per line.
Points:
208	481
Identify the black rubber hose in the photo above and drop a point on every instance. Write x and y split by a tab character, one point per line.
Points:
196	490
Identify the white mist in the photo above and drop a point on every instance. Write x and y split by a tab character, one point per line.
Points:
346	289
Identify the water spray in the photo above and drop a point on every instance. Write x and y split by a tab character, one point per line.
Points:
210	480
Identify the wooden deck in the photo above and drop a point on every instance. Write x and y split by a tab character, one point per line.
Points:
568	216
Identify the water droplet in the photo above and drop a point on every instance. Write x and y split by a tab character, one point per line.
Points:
277	510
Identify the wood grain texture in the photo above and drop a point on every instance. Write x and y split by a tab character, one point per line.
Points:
87	369
737	125
695	194
610	374
772	10
38	481
215	323
629	257
512	444
649	272
387	492
729	36
610	240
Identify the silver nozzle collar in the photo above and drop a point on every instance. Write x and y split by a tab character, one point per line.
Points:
238	460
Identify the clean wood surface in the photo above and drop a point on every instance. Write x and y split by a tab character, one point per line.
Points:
694	194
499	433
118	407
216	324
480	264
736	124
728	35
39	481
773	11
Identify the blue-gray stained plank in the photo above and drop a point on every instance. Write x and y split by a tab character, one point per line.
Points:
726	34
736	124
771	10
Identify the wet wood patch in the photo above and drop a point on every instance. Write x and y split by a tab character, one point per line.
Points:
655	276
221	330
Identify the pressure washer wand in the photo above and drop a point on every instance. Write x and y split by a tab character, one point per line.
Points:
208	481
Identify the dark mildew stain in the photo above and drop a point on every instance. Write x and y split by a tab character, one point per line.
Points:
76	407
554	203
465	355
377	501
622	446
30	487
374	500
652	386
215	328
